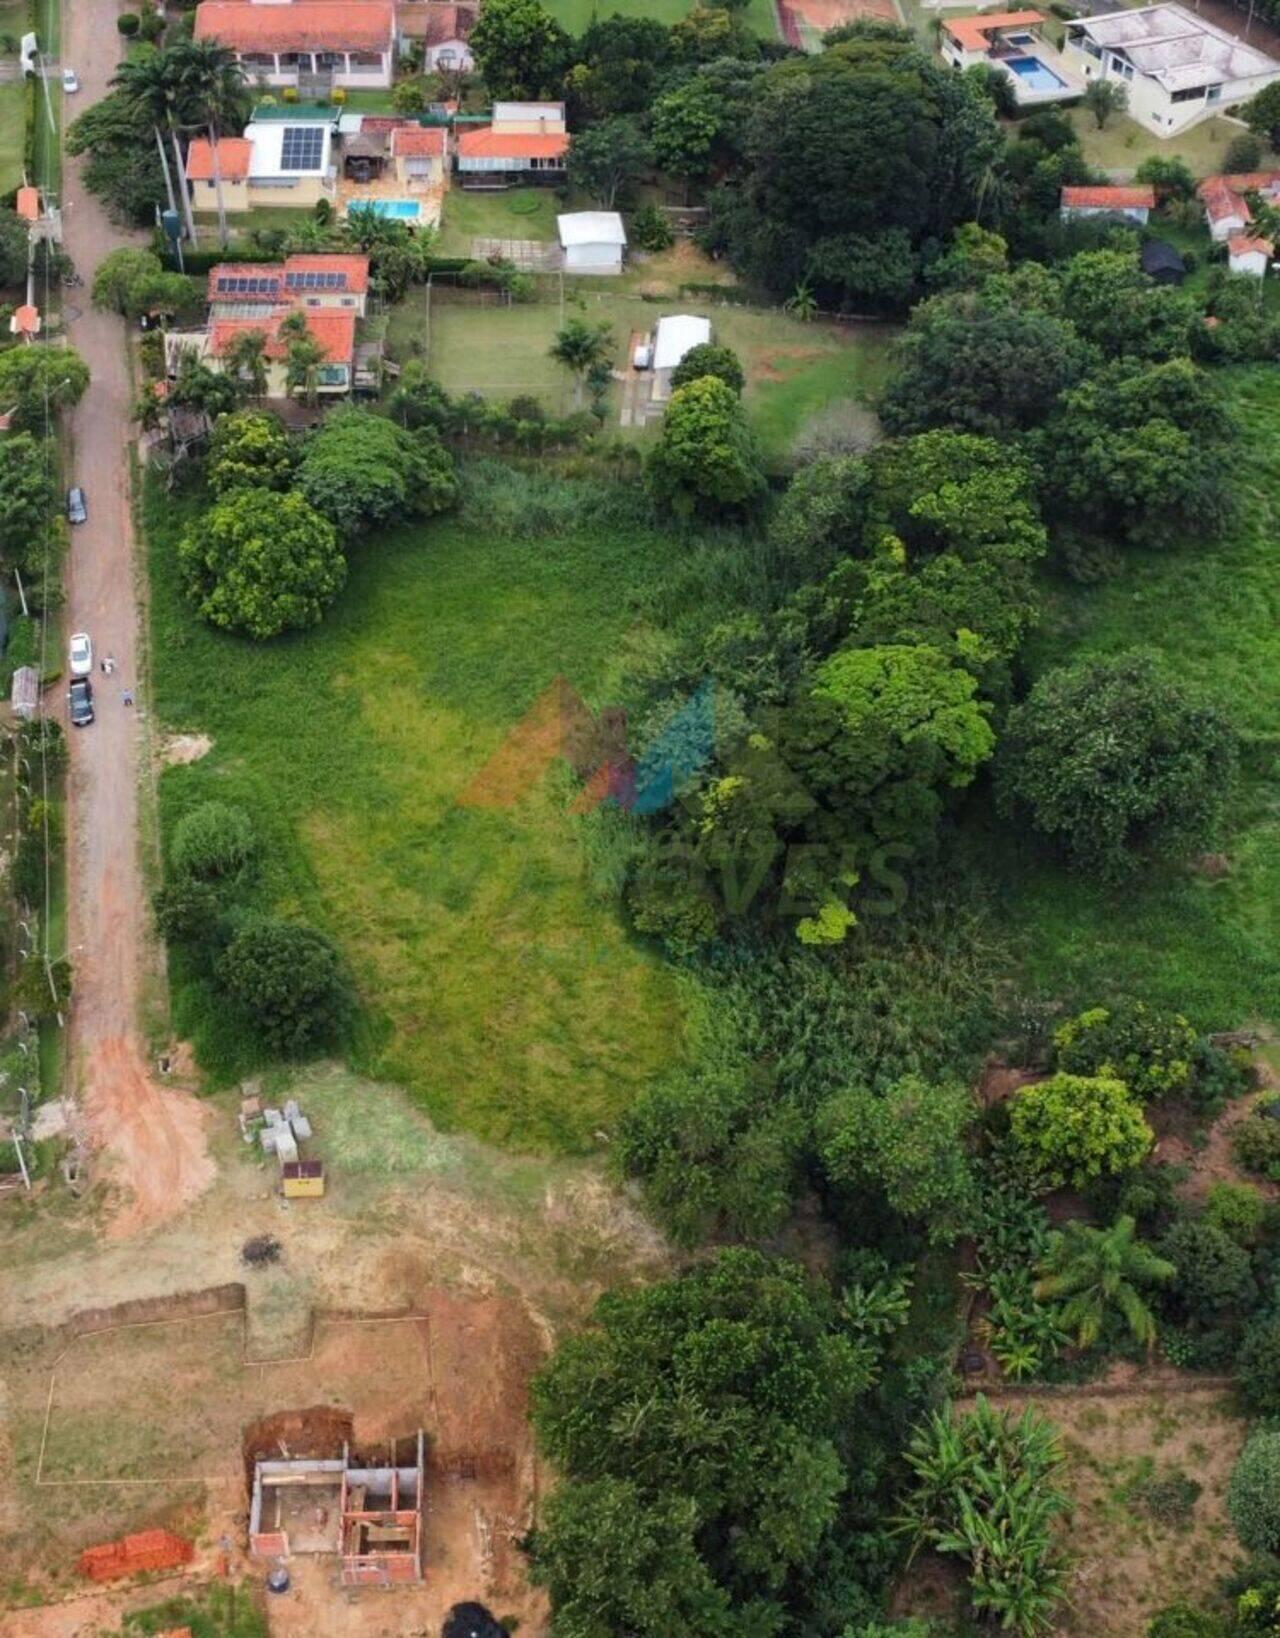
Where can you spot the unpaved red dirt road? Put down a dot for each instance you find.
(151, 1139)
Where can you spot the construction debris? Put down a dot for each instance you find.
(131, 1555)
(261, 1250)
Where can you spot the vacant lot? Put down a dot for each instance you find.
(1207, 944)
(499, 986)
(799, 376)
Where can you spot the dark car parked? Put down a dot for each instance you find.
(77, 511)
(80, 698)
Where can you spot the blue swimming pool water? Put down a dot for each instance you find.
(403, 209)
(1034, 75)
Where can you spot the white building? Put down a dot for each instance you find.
(315, 45)
(672, 338)
(1011, 42)
(1247, 254)
(593, 241)
(1177, 68)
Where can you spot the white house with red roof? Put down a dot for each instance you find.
(313, 44)
(285, 158)
(1011, 42)
(523, 139)
(442, 31)
(1227, 209)
(1125, 204)
(1249, 253)
(330, 292)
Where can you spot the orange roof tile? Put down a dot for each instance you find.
(418, 141)
(1110, 198)
(486, 143)
(234, 154)
(973, 33)
(336, 333)
(354, 269)
(302, 25)
(25, 321)
(27, 204)
(1247, 244)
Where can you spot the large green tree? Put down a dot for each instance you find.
(290, 980)
(1115, 305)
(520, 49)
(1118, 764)
(37, 383)
(711, 1415)
(362, 471)
(606, 160)
(27, 492)
(134, 282)
(706, 459)
(249, 450)
(262, 563)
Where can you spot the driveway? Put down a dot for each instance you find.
(150, 1138)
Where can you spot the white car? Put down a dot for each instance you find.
(70, 83)
(81, 655)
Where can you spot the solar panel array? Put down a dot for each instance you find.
(316, 281)
(301, 147)
(249, 285)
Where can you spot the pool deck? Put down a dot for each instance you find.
(430, 201)
(1030, 97)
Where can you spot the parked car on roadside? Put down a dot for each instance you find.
(80, 651)
(80, 699)
(77, 511)
(70, 84)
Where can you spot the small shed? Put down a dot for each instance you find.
(25, 695)
(1247, 254)
(302, 1179)
(593, 241)
(1162, 263)
(672, 338)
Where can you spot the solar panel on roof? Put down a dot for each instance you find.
(301, 147)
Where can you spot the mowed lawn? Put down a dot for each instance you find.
(577, 15)
(518, 213)
(1209, 946)
(798, 374)
(12, 128)
(498, 985)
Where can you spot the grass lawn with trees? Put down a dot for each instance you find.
(796, 373)
(1206, 944)
(519, 213)
(497, 983)
(578, 15)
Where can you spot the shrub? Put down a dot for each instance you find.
(1253, 1496)
(128, 23)
(650, 229)
(1256, 1141)
(1150, 1051)
(152, 26)
(1169, 1497)
(1181, 1621)
(291, 980)
(409, 96)
(187, 911)
(1237, 1209)
(1071, 1128)
(212, 842)
(1258, 1366)
(1214, 1282)
(1244, 153)
(709, 359)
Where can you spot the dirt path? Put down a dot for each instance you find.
(152, 1139)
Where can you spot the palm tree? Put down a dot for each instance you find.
(1092, 1272)
(149, 83)
(580, 346)
(211, 91)
(303, 357)
(245, 358)
(802, 304)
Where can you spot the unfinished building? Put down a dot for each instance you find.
(368, 1516)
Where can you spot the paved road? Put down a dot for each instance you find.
(152, 1139)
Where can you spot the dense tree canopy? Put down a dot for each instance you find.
(520, 49)
(706, 460)
(1072, 1128)
(36, 383)
(290, 980)
(1118, 764)
(262, 563)
(362, 471)
(249, 450)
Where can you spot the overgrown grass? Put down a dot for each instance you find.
(499, 985)
(1210, 946)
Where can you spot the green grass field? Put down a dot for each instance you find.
(12, 126)
(1123, 144)
(797, 374)
(577, 15)
(519, 213)
(499, 986)
(1211, 947)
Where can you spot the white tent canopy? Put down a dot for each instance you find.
(677, 335)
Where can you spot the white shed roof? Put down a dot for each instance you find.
(591, 227)
(675, 336)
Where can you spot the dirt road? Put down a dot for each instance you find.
(151, 1139)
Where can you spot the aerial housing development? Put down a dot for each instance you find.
(638, 980)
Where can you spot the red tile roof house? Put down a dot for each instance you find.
(1246, 253)
(1011, 42)
(316, 44)
(1225, 206)
(329, 291)
(1132, 204)
(442, 31)
(525, 140)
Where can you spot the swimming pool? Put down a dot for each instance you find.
(1034, 75)
(404, 210)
